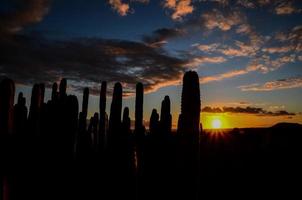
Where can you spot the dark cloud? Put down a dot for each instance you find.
(160, 36)
(86, 61)
(247, 110)
(25, 12)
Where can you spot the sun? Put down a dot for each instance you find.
(216, 123)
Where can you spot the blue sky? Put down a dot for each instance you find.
(244, 51)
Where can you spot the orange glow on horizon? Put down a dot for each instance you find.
(236, 120)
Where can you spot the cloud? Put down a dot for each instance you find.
(207, 47)
(87, 61)
(222, 76)
(197, 61)
(230, 74)
(292, 39)
(29, 12)
(246, 110)
(160, 36)
(223, 21)
(251, 4)
(287, 83)
(242, 49)
(286, 8)
(244, 28)
(121, 8)
(281, 49)
(180, 8)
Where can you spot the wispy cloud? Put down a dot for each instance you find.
(246, 110)
(223, 21)
(160, 36)
(197, 61)
(286, 8)
(230, 74)
(274, 85)
(280, 49)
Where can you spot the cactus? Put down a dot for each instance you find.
(154, 123)
(62, 90)
(190, 105)
(126, 121)
(165, 116)
(20, 115)
(102, 113)
(70, 123)
(42, 88)
(94, 132)
(34, 111)
(83, 114)
(115, 111)
(54, 93)
(7, 93)
(188, 133)
(139, 100)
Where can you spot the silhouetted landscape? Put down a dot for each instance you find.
(52, 151)
(150, 99)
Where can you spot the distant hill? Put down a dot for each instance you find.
(287, 125)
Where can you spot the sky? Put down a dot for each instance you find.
(248, 54)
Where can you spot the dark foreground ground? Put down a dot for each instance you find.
(254, 162)
(238, 163)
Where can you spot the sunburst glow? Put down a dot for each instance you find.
(216, 123)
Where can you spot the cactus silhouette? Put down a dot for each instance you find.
(126, 121)
(84, 142)
(62, 89)
(102, 113)
(190, 105)
(115, 112)
(83, 114)
(154, 122)
(165, 116)
(20, 115)
(7, 93)
(35, 110)
(139, 100)
(188, 134)
(94, 131)
(42, 88)
(54, 93)
(70, 129)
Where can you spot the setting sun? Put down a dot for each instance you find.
(216, 123)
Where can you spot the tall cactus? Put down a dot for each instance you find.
(102, 113)
(42, 88)
(94, 132)
(139, 100)
(54, 93)
(7, 93)
(165, 116)
(126, 120)
(83, 114)
(62, 89)
(20, 115)
(188, 133)
(35, 109)
(115, 110)
(190, 105)
(71, 123)
(154, 122)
